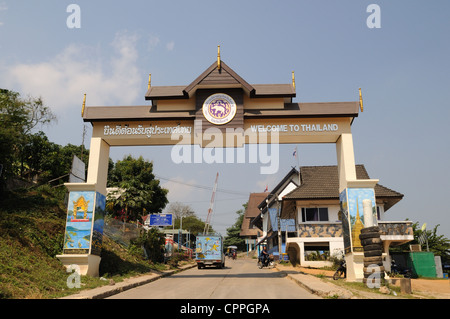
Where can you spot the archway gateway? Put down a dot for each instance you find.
(218, 109)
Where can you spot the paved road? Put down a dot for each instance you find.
(240, 279)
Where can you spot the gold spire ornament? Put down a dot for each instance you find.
(360, 101)
(356, 230)
(293, 79)
(218, 57)
(84, 105)
(149, 81)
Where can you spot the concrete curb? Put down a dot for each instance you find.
(316, 286)
(107, 291)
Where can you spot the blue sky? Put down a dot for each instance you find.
(403, 69)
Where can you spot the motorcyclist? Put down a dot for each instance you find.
(264, 255)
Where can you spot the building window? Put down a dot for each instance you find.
(315, 214)
(317, 251)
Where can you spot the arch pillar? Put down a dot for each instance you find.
(345, 160)
(351, 192)
(85, 214)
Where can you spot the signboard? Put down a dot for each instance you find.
(161, 220)
(187, 132)
(78, 172)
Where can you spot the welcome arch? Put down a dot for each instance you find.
(218, 109)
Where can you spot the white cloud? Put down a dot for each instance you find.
(3, 7)
(153, 42)
(170, 46)
(64, 79)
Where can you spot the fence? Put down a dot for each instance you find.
(121, 232)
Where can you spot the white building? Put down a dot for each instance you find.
(310, 198)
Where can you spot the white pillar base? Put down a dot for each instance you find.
(89, 264)
(355, 266)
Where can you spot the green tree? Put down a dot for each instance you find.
(233, 237)
(18, 118)
(58, 162)
(191, 223)
(138, 190)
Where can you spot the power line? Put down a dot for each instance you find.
(221, 190)
(217, 200)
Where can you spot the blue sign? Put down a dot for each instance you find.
(161, 220)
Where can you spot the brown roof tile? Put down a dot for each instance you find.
(251, 212)
(320, 182)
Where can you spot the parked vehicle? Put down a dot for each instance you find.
(398, 270)
(209, 251)
(231, 252)
(341, 271)
(268, 262)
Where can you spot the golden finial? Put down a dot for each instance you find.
(84, 105)
(293, 79)
(149, 80)
(218, 57)
(360, 101)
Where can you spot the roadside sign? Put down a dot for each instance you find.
(77, 172)
(161, 220)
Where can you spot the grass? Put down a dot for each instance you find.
(360, 286)
(32, 228)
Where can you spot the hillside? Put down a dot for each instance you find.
(32, 234)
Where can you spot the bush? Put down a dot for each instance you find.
(176, 258)
(150, 244)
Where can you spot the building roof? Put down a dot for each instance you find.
(322, 182)
(277, 189)
(223, 77)
(251, 212)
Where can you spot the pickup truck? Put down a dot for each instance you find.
(209, 251)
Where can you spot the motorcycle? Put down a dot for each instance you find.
(398, 270)
(267, 262)
(342, 270)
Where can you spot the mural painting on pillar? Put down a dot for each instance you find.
(84, 223)
(351, 201)
(99, 221)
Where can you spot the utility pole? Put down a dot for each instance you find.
(82, 141)
(280, 241)
(210, 210)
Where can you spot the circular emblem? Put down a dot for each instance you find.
(219, 109)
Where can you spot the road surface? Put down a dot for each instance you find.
(240, 279)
